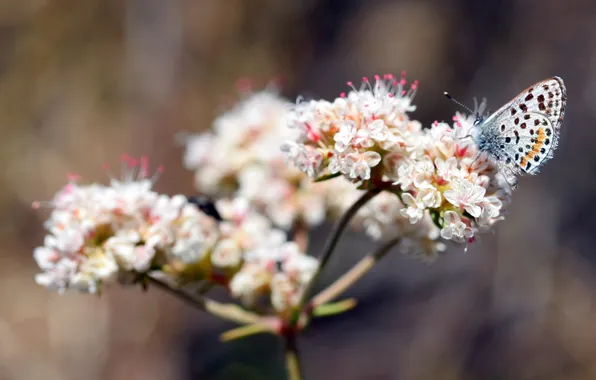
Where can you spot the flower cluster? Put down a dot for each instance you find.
(270, 264)
(241, 157)
(351, 134)
(438, 175)
(98, 233)
(385, 217)
(447, 177)
(101, 234)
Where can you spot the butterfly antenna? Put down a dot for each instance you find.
(458, 102)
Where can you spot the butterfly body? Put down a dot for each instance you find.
(523, 134)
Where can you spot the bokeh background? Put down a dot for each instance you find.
(83, 81)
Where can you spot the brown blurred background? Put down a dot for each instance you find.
(83, 81)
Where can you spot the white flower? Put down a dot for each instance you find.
(386, 98)
(234, 210)
(297, 265)
(276, 266)
(414, 209)
(363, 138)
(226, 254)
(491, 206)
(359, 164)
(446, 160)
(68, 240)
(429, 197)
(250, 282)
(46, 257)
(306, 158)
(253, 180)
(130, 253)
(436, 168)
(447, 169)
(244, 153)
(97, 232)
(352, 131)
(478, 164)
(378, 130)
(302, 118)
(466, 195)
(294, 273)
(292, 150)
(86, 277)
(424, 169)
(415, 174)
(343, 138)
(491, 212)
(284, 293)
(336, 164)
(101, 267)
(194, 236)
(405, 176)
(59, 276)
(198, 149)
(464, 125)
(426, 198)
(454, 228)
(382, 219)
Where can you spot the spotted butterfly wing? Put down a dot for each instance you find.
(526, 129)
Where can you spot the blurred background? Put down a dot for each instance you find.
(83, 81)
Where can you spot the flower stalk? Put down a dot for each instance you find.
(334, 308)
(248, 330)
(349, 278)
(334, 237)
(229, 312)
(293, 365)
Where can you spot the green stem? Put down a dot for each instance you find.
(247, 330)
(333, 238)
(292, 358)
(229, 312)
(353, 275)
(333, 308)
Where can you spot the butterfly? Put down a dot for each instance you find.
(522, 135)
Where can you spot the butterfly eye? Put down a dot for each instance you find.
(478, 120)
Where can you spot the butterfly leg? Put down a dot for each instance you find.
(509, 176)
